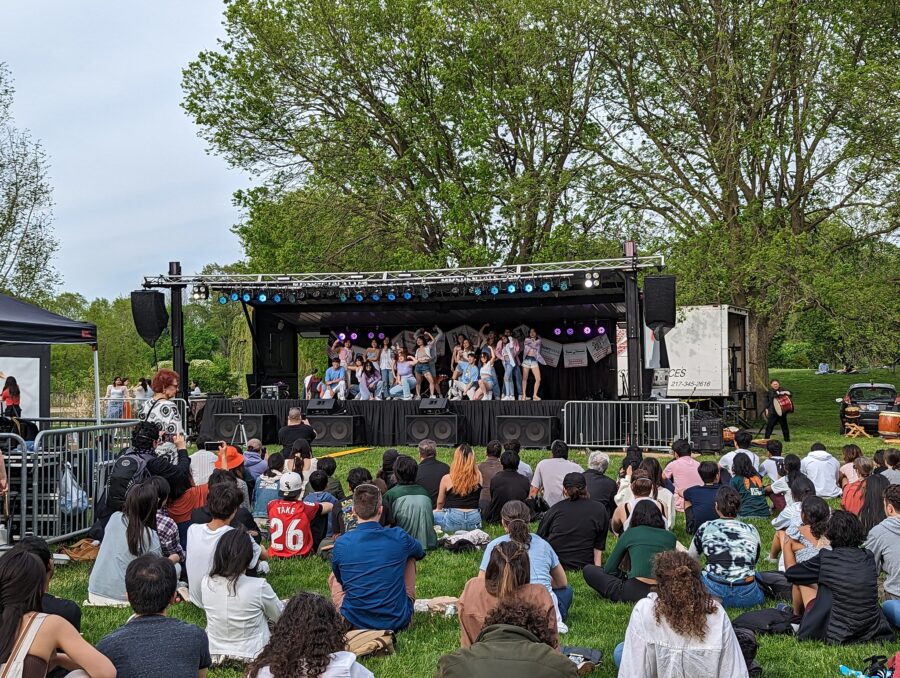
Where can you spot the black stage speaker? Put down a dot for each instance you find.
(530, 431)
(262, 426)
(706, 435)
(335, 430)
(659, 301)
(323, 406)
(432, 405)
(148, 309)
(442, 428)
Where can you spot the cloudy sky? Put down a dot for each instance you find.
(98, 82)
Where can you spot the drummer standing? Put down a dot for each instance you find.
(772, 417)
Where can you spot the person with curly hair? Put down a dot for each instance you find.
(679, 630)
(516, 640)
(307, 642)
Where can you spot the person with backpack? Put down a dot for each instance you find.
(748, 483)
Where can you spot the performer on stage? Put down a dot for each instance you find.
(531, 363)
(488, 377)
(335, 383)
(508, 350)
(465, 378)
(772, 415)
(423, 363)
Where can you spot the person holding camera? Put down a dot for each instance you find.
(297, 428)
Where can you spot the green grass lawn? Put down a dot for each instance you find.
(592, 622)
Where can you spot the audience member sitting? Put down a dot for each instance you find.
(166, 529)
(295, 527)
(646, 537)
(410, 504)
(576, 527)
(549, 473)
(700, 500)
(601, 487)
(308, 640)
(254, 460)
(658, 491)
(356, 477)
(845, 609)
(233, 461)
(872, 511)
(742, 442)
(238, 608)
(782, 486)
(297, 428)
(516, 446)
(789, 520)
(151, 643)
(508, 485)
(31, 640)
(129, 534)
(334, 487)
(431, 471)
(802, 543)
(317, 492)
(507, 576)
(640, 489)
(773, 461)
(386, 472)
(884, 543)
(515, 640)
(50, 604)
(892, 462)
(203, 461)
(545, 566)
(682, 471)
(267, 486)
(679, 631)
(745, 479)
(854, 491)
(878, 460)
(490, 467)
(848, 472)
(202, 539)
(373, 580)
(459, 494)
(821, 468)
(302, 461)
(732, 549)
(242, 517)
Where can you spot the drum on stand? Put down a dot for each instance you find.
(889, 424)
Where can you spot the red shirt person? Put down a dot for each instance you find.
(290, 519)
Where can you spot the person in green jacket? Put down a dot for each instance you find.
(515, 641)
(410, 504)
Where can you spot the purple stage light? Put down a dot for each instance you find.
(342, 336)
(570, 331)
(371, 335)
(601, 330)
(354, 336)
(557, 331)
(586, 330)
(381, 335)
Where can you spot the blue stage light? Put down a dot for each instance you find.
(359, 296)
(376, 296)
(511, 288)
(261, 297)
(407, 295)
(392, 296)
(223, 299)
(276, 298)
(546, 286)
(494, 290)
(342, 296)
(235, 296)
(245, 297)
(564, 285)
(528, 287)
(477, 290)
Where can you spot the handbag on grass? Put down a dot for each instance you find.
(364, 643)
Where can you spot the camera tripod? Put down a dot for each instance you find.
(239, 437)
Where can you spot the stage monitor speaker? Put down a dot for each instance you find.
(324, 406)
(442, 428)
(262, 426)
(707, 435)
(534, 432)
(659, 301)
(337, 430)
(432, 405)
(148, 309)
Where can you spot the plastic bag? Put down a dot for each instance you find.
(72, 499)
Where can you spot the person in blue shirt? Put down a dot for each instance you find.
(318, 480)
(465, 378)
(700, 500)
(373, 568)
(335, 382)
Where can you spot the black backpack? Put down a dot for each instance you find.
(767, 621)
(129, 469)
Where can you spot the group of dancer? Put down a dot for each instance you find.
(385, 371)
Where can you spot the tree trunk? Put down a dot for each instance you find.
(758, 341)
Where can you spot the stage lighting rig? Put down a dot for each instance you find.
(200, 293)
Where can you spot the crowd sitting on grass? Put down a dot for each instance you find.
(167, 537)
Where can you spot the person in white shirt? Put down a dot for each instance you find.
(681, 631)
(238, 608)
(549, 473)
(308, 640)
(769, 467)
(202, 539)
(203, 463)
(822, 468)
(742, 440)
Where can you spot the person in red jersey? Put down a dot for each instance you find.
(293, 524)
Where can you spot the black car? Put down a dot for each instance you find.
(871, 399)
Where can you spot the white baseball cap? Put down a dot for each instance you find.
(290, 484)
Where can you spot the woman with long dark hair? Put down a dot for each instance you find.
(792, 471)
(303, 462)
(805, 543)
(238, 608)
(457, 505)
(11, 397)
(130, 533)
(424, 348)
(307, 641)
(39, 636)
(116, 393)
(640, 489)
(854, 492)
(507, 576)
(679, 630)
(872, 510)
(748, 483)
(531, 363)
(848, 472)
(659, 492)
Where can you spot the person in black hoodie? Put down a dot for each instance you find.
(507, 485)
(845, 609)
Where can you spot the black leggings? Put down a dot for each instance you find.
(613, 588)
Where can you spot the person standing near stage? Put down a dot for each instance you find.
(12, 398)
(531, 363)
(423, 363)
(386, 366)
(160, 409)
(772, 417)
(508, 348)
(116, 393)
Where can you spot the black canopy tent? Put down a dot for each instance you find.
(28, 331)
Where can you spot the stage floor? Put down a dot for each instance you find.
(384, 422)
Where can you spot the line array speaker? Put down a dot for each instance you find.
(441, 428)
(335, 430)
(262, 426)
(534, 432)
(148, 309)
(659, 301)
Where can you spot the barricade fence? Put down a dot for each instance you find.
(651, 424)
(115, 409)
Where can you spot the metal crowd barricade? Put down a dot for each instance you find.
(13, 447)
(135, 405)
(651, 424)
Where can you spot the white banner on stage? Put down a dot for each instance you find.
(520, 333)
(27, 372)
(575, 354)
(599, 347)
(551, 350)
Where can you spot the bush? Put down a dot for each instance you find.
(214, 376)
(792, 355)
